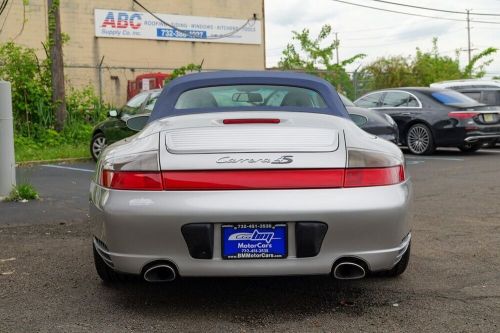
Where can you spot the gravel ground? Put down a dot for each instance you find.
(48, 282)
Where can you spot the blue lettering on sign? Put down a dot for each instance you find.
(174, 33)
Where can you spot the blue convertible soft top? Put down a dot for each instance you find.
(165, 105)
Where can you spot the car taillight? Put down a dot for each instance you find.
(374, 176)
(141, 172)
(462, 115)
(369, 168)
(132, 180)
(138, 172)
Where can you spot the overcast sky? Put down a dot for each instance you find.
(378, 33)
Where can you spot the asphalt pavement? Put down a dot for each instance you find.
(48, 282)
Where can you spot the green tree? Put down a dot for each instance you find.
(424, 68)
(314, 57)
(388, 72)
(429, 67)
(476, 67)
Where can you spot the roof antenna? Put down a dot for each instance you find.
(201, 65)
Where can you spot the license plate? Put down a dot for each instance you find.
(489, 117)
(254, 241)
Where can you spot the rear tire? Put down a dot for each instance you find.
(470, 147)
(106, 273)
(419, 140)
(401, 266)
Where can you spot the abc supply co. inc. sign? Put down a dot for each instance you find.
(141, 25)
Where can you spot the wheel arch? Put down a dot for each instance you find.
(98, 131)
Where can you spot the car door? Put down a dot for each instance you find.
(402, 106)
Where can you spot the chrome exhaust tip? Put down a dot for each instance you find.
(348, 271)
(160, 273)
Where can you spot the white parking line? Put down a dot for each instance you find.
(65, 167)
(434, 158)
(414, 162)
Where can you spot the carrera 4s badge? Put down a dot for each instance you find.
(285, 159)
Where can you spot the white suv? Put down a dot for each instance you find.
(467, 84)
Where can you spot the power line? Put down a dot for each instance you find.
(433, 9)
(253, 19)
(413, 14)
(6, 16)
(3, 5)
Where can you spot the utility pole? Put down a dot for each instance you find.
(56, 63)
(468, 35)
(337, 46)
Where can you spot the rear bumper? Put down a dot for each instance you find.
(456, 136)
(141, 227)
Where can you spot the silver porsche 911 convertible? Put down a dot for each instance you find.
(250, 174)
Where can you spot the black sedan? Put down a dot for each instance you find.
(378, 124)
(433, 117)
(115, 127)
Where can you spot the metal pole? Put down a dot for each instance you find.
(7, 159)
(468, 35)
(355, 83)
(100, 81)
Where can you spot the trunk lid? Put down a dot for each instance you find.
(204, 142)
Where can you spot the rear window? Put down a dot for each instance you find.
(234, 96)
(453, 98)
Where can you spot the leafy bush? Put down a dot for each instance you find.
(23, 192)
(33, 111)
(31, 94)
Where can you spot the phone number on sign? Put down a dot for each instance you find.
(172, 33)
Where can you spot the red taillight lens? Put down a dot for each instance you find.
(141, 172)
(132, 180)
(374, 176)
(251, 121)
(253, 179)
(462, 115)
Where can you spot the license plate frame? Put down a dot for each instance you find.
(241, 241)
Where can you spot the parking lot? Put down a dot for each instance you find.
(48, 282)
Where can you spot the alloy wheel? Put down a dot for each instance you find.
(418, 139)
(98, 145)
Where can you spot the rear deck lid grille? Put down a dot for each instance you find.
(252, 139)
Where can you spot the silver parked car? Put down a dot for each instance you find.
(249, 174)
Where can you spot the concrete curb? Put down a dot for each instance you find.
(58, 160)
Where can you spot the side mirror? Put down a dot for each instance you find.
(137, 123)
(112, 113)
